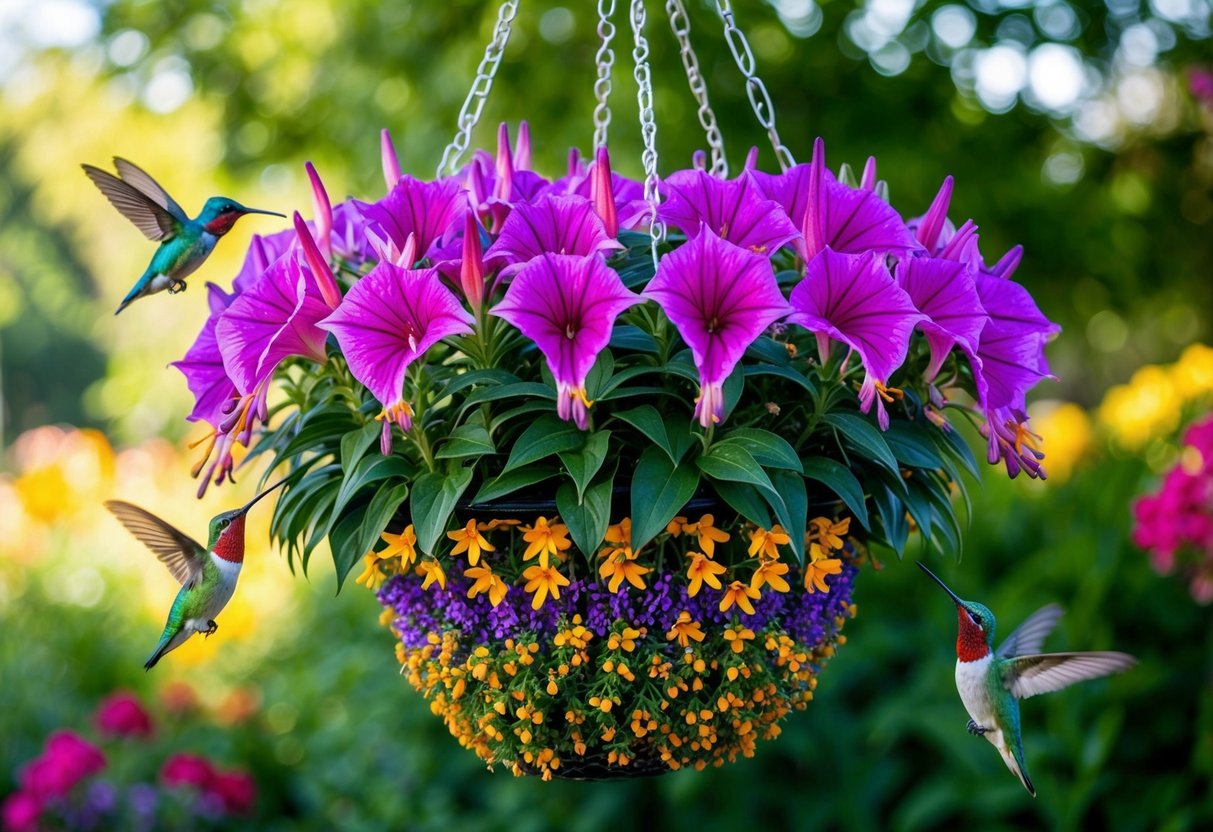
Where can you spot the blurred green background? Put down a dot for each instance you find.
(1069, 127)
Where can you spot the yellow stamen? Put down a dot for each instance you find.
(889, 393)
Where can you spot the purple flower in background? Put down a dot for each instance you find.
(734, 210)
(853, 299)
(720, 297)
(567, 305)
(202, 365)
(944, 291)
(389, 318)
(432, 211)
(274, 319)
(829, 213)
(555, 224)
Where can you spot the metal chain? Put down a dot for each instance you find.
(756, 91)
(681, 24)
(473, 105)
(605, 60)
(648, 122)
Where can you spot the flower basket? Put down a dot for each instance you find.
(612, 462)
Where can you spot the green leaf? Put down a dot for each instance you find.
(633, 338)
(768, 350)
(584, 463)
(732, 462)
(864, 437)
(356, 443)
(648, 421)
(343, 543)
(912, 445)
(509, 483)
(659, 489)
(370, 469)
(469, 440)
(433, 499)
(625, 376)
(599, 375)
(892, 513)
(375, 520)
(547, 435)
(769, 449)
(841, 481)
(746, 500)
(586, 516)
(955, 446)
(492, 376)
(731, 390)
(795, 518)
(510, 391)
(787, 373)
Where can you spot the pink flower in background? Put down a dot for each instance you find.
(236, 789)
(187, 770)
(20, 812)
(121, 714)
(67, 759)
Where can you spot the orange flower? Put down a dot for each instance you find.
(621, 535)
(737, 637)
(676, 526)
(739, 594)
(485, 581)
(541, 580)
(373, 576)
(619, 568)
(496, 524)
(401, 545)
(433, 572)
(684, 630)
(545, 540)
(703, 570)
(469, 540)
(828, 534)
(765, 543)
(708, 534)
(771, 572)
(817, 568)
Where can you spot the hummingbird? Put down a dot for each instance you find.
(991, 682)
(184, 243)
(207, 575)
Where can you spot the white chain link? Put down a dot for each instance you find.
(473, 105)
(681, 24)
(756, 91)
(648, 123)
(605, 59)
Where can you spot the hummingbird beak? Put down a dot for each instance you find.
(260, 211)
(935, 578)
(276, 485)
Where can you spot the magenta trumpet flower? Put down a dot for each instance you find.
(432, 211)
(553, 224)
(853, 299)
(388, 320)
(944, 291)
(720, 297)
(735, 210)
(389, 159)
(202, 365)
(567, 305)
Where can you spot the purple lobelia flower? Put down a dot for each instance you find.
(852, 298)
(386, 321)
(567, 305)
(944, 291)
(431, 211)
(720, 297)
(553, 224)
(829, 213)
(202, 365)
(735, 210)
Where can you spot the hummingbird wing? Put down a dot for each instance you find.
(150, 217)
(183, 555)
(142, 180)
(1026, 676)
(1030, 636)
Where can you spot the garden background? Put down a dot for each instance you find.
(1076, 129)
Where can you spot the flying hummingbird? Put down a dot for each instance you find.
(184, 243)
(991, 682)
(207, 575)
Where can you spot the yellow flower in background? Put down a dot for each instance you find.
(61, 471)
(469, 540)
(1069, 436)
(1149, 405)
(1193, 372)
(542, 580)
(433, 572)
(545, 540)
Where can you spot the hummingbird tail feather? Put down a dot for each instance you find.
(127, 301)
(167, 644)
(1014, 761)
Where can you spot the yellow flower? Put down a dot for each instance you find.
(545, 540)
(708, 534)
(676, 526)
(496, 524)
(401, 545)
(372, 576)
(485, 581)
(702, 570)
(619, 568)
(827, 533)
(1148, 406)
(684, 630)
(469, 540)
(541, 580)
(1070, 436)
(432, 570)
(739, 594)
(621, 535)
(765, 543)
(737, 637)
(771, 572)
(817, 568)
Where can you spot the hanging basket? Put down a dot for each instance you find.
(621, 678)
